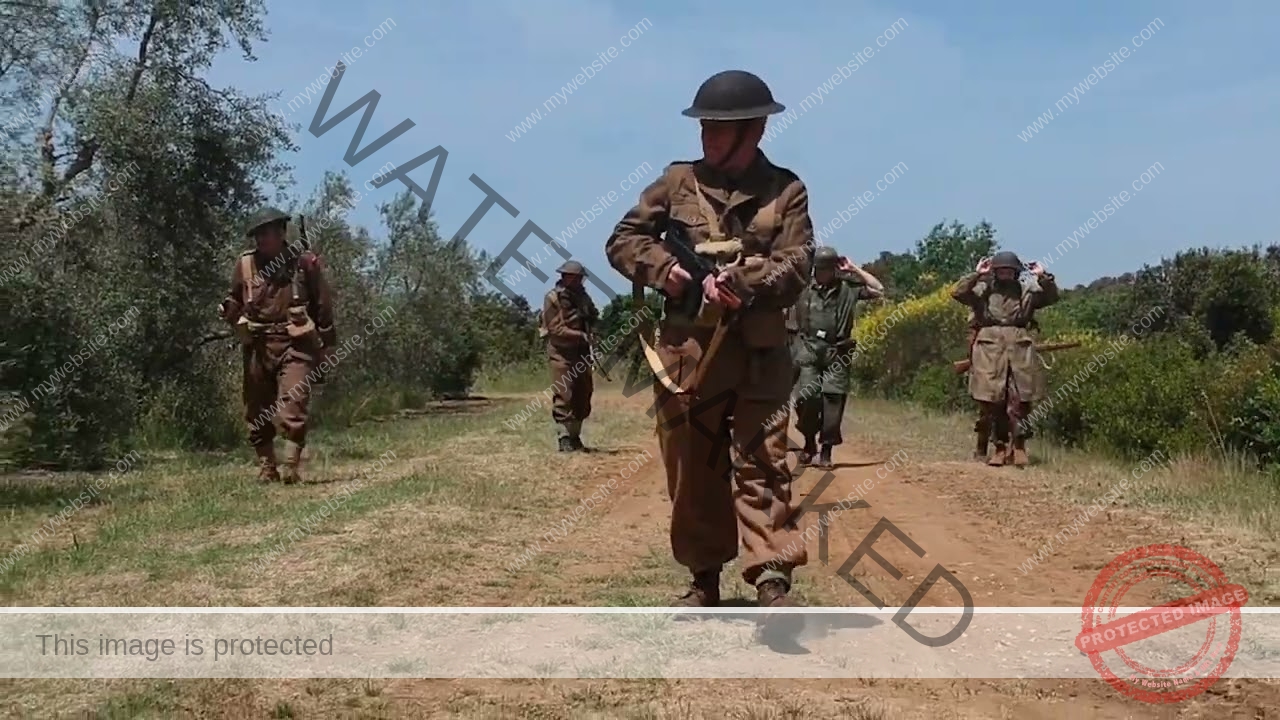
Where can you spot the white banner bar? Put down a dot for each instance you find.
(996, 643)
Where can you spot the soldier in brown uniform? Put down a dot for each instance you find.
(568, 319)
(280, 306)
(1006, 375)
(753, 216)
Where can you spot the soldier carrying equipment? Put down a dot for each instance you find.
(720, 351)
(279, 303)
(568, 320)
(962, 366)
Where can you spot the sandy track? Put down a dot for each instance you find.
(982, 524)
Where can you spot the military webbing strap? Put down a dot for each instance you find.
(245, 269)
(766, 219)
(708, 213)
(248, 275)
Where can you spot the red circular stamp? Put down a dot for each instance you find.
(1212, 608)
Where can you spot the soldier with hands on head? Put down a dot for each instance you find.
(568, 321)
(725, 372)
(823, 318)
(1007, 374)
(280, 306)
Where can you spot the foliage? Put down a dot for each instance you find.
(939, 258)
(130, 204)
(895, 340)
(1177, 358)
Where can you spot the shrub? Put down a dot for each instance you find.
(896, 339)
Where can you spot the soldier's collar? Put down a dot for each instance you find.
(734, 190)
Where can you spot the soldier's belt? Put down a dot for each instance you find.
(268, 328)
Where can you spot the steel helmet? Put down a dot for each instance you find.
(264, 217)
(571, 267)
(733, 95)
(1006, 259)
(826, 257)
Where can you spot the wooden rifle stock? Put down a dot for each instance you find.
(962, 366)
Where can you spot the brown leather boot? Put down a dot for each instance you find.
(1020, 452)
(773, 593)
(997, 455)
(780, 627)
(704, 590)
(267, 472)
(292, 461)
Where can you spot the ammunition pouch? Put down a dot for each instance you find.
(724, 253)
(301, 329)
(251, 330)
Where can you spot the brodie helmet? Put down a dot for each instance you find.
(571, 267)
(733, 95)
(265, 217)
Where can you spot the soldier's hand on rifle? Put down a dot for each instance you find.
(716, 289)
(676, 281)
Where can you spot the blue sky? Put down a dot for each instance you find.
(948, 97)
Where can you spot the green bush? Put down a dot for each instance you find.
(939, 387)
(1131, 401)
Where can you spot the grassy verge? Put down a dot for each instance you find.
(439, 525)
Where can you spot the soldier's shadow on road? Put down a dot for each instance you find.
(788, 638)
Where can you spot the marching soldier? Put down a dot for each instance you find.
(823, 318)
(280, 306)
(725, 372)
(568, 318)
(1006, 375)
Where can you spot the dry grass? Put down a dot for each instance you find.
(439, 526)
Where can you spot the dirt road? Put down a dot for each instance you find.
(982, 524)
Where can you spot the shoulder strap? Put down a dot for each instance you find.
(246, 272)
(708, 213)
(299, 283)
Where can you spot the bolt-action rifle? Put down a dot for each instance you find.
(962, 366)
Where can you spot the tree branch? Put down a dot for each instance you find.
(46, 135)
(84, 157)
